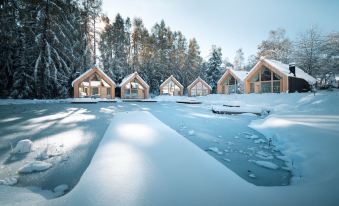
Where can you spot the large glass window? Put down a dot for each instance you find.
(276, 86)
(171, 88)
(269, 81)
(276, 77)
(255, 78)
(266, 75)
(232, 89)
(199, 90)
(266, 87)
(95, 90)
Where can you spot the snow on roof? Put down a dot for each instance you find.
(284, 68)
(90, 70)
(130, 77)
(173, 79)
(196, 80)
(240, 74)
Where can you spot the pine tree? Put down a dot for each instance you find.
(194, 62)
(213, 67)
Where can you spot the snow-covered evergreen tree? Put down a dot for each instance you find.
(213, 67)
(194, 63)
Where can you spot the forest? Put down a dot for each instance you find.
(46, 44)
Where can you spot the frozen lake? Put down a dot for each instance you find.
(226, 137)
(74, 131)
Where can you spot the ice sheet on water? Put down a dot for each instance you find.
(35, 166)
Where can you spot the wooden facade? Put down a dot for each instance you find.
(231, 82)
(198, 88)
(265, 78)
(270, 76)
(134, 87)
(171, 87)
(94, 83)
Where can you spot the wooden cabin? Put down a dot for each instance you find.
(94, 83)
(172, 87)
(231, 82)
(134, 87)
(271, 76)
(198, 88)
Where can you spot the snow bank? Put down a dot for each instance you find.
(23, 146)
(35, 166)
(9, 181)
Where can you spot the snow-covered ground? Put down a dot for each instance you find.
(142, 161)
(64, 138)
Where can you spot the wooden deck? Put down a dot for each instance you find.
(233, 112)
(189, 102)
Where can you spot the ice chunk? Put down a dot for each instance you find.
(226, 159)
(35, 166)
(60, 189)
(9, 181)
(264, 155)
(258, 141)
(216, 150)
(23, 146)
(252, 175)
(43, 155)
(252, 136)
(266, 164)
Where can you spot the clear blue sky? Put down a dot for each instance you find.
(231, 24)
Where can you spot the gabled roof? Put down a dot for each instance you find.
(174, 80)
(196, 81)
(240, 75)
(92, 71)
(130, 77)
(284, 69)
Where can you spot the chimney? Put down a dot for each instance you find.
(292, 68)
